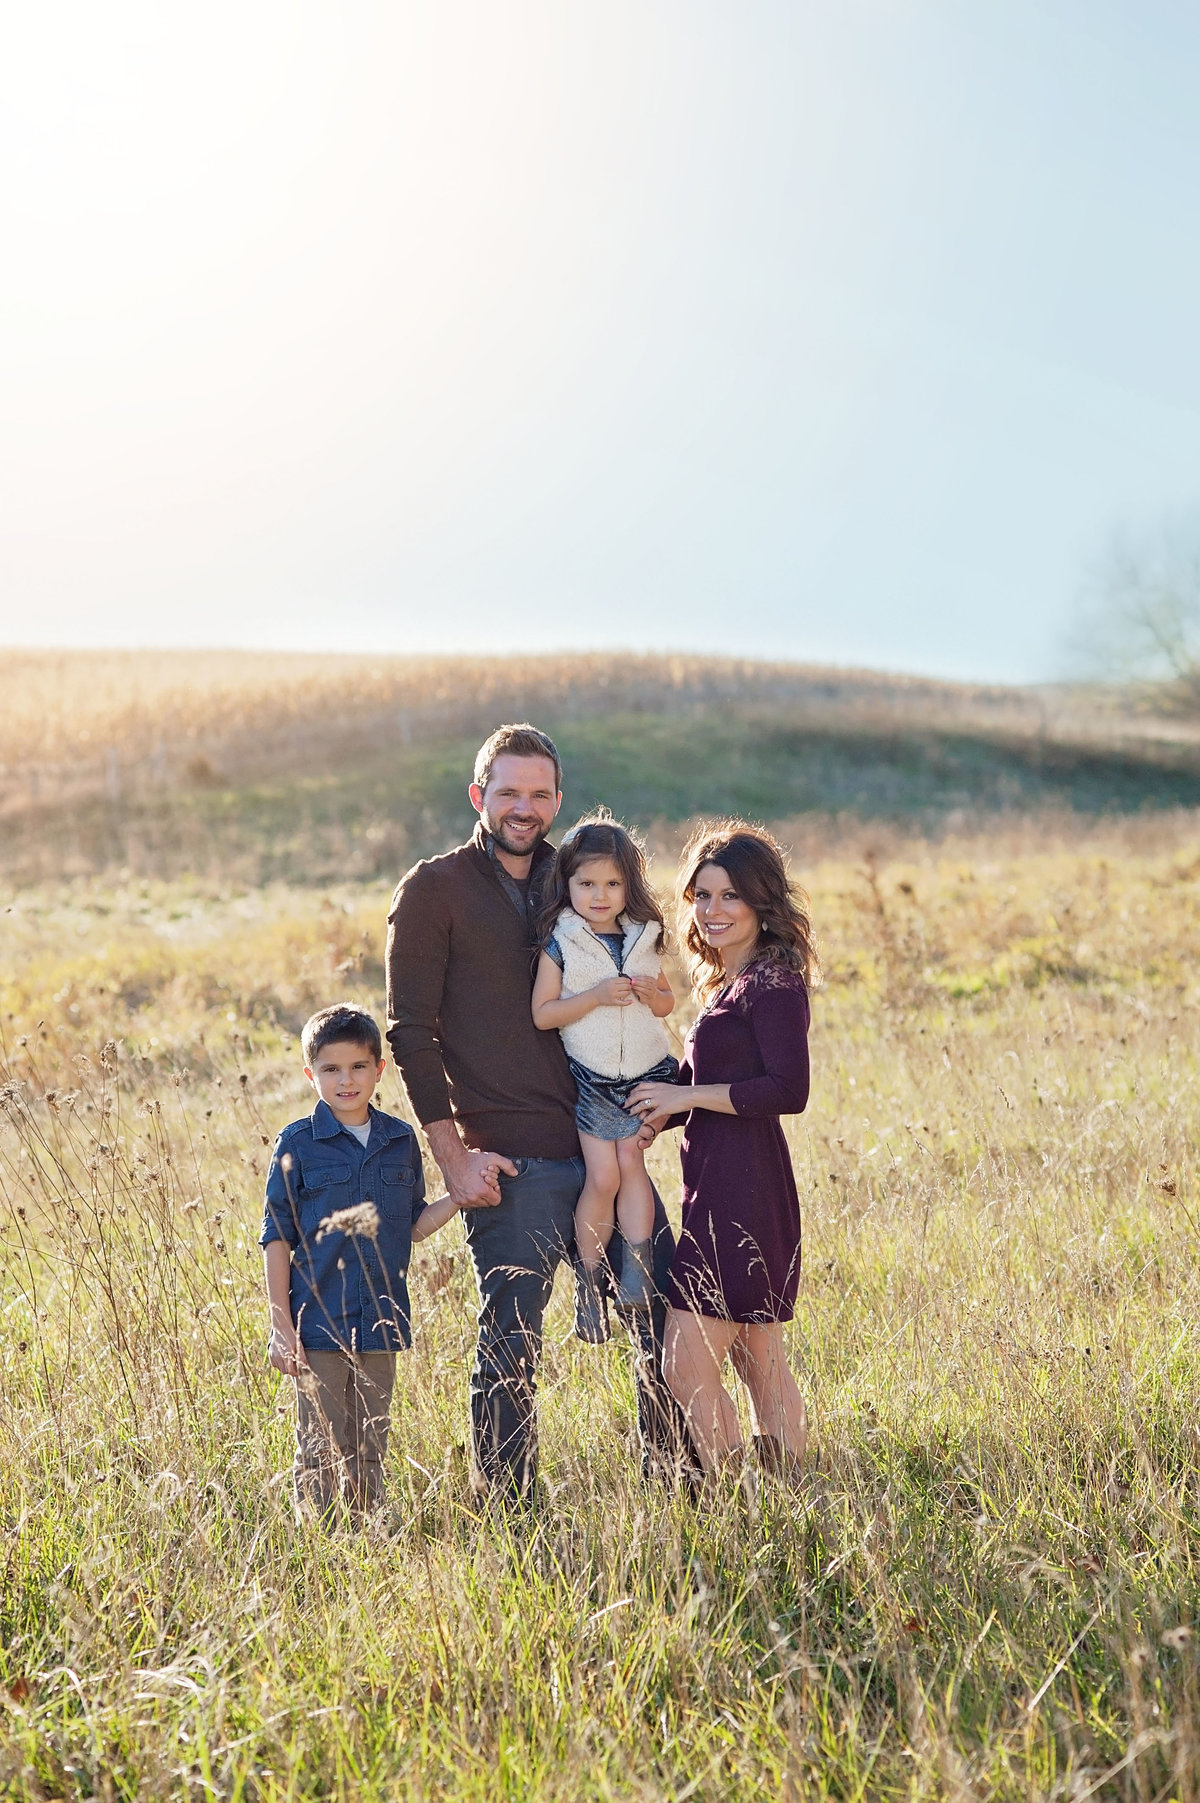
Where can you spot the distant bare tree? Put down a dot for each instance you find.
(1139, 616)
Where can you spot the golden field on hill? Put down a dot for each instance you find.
(257, 770)
(112, 723)
(991, 1590)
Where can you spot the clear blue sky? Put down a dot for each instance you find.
(844, 331)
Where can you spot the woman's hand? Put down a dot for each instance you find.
(655, 1103)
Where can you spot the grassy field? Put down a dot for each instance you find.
(306, 770)
(993, 1594)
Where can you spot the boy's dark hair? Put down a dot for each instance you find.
(598, 835)
(342, 1021)
(521, 741)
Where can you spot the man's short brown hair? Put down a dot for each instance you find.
(342, 1022)
(523, 741)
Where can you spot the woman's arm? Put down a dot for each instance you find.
(658, 1103)
(779, 1022)
(551, 1008)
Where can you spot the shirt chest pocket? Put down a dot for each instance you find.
(326, 1189)
(395, 1188)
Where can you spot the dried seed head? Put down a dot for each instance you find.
(362, 1219)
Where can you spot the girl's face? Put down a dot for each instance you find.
(597, 891)
(724, 920)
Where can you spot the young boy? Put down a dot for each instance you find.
(345, 1201)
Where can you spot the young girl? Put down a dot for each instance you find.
(600, 983)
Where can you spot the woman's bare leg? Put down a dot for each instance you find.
(595, 1211)
(777, 1407)
(694, 1350)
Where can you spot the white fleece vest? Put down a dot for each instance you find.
(613, 1042)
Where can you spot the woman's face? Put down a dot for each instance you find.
(723, 919)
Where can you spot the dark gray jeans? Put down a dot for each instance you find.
(516, 1248)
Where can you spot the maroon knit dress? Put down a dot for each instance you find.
(739, 1244)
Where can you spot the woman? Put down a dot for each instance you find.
(733, 1282)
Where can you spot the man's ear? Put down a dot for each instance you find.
(476, 794)
(557, 802)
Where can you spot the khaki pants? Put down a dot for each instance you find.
(343, 1402)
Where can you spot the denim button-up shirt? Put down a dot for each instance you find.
(349, 1291)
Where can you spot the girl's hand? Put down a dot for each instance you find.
(614, 992)
(645, 988)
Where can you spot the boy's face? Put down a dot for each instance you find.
(344, 1075)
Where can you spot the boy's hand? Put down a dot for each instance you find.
(645, 988)
(614, 992)
(285, 1352)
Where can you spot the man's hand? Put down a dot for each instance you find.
(614, 992)
(473, 1181)
(472, 1178)
(285, 1351)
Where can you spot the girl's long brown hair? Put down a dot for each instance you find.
(598, 835)
(756, 867)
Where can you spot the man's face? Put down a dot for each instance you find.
(519, 804)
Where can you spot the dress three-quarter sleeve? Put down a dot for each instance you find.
(778, 1016)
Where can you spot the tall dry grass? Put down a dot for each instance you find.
(304, 770)
(994, 1595)
(111, 723)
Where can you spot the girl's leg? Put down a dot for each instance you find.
(694, 1349)
(635, 1197)
(635, 1215)
(777, 1407)
(594, 1216)
(595, 1211)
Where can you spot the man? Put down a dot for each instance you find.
(497, 1102)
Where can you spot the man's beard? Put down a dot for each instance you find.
(514, 851)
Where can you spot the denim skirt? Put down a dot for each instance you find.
(600, 1107)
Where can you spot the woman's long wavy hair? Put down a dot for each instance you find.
(598, 835)
(756, 867)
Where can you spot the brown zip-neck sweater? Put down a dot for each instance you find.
(460, 980)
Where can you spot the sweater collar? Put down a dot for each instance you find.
(541, 868)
